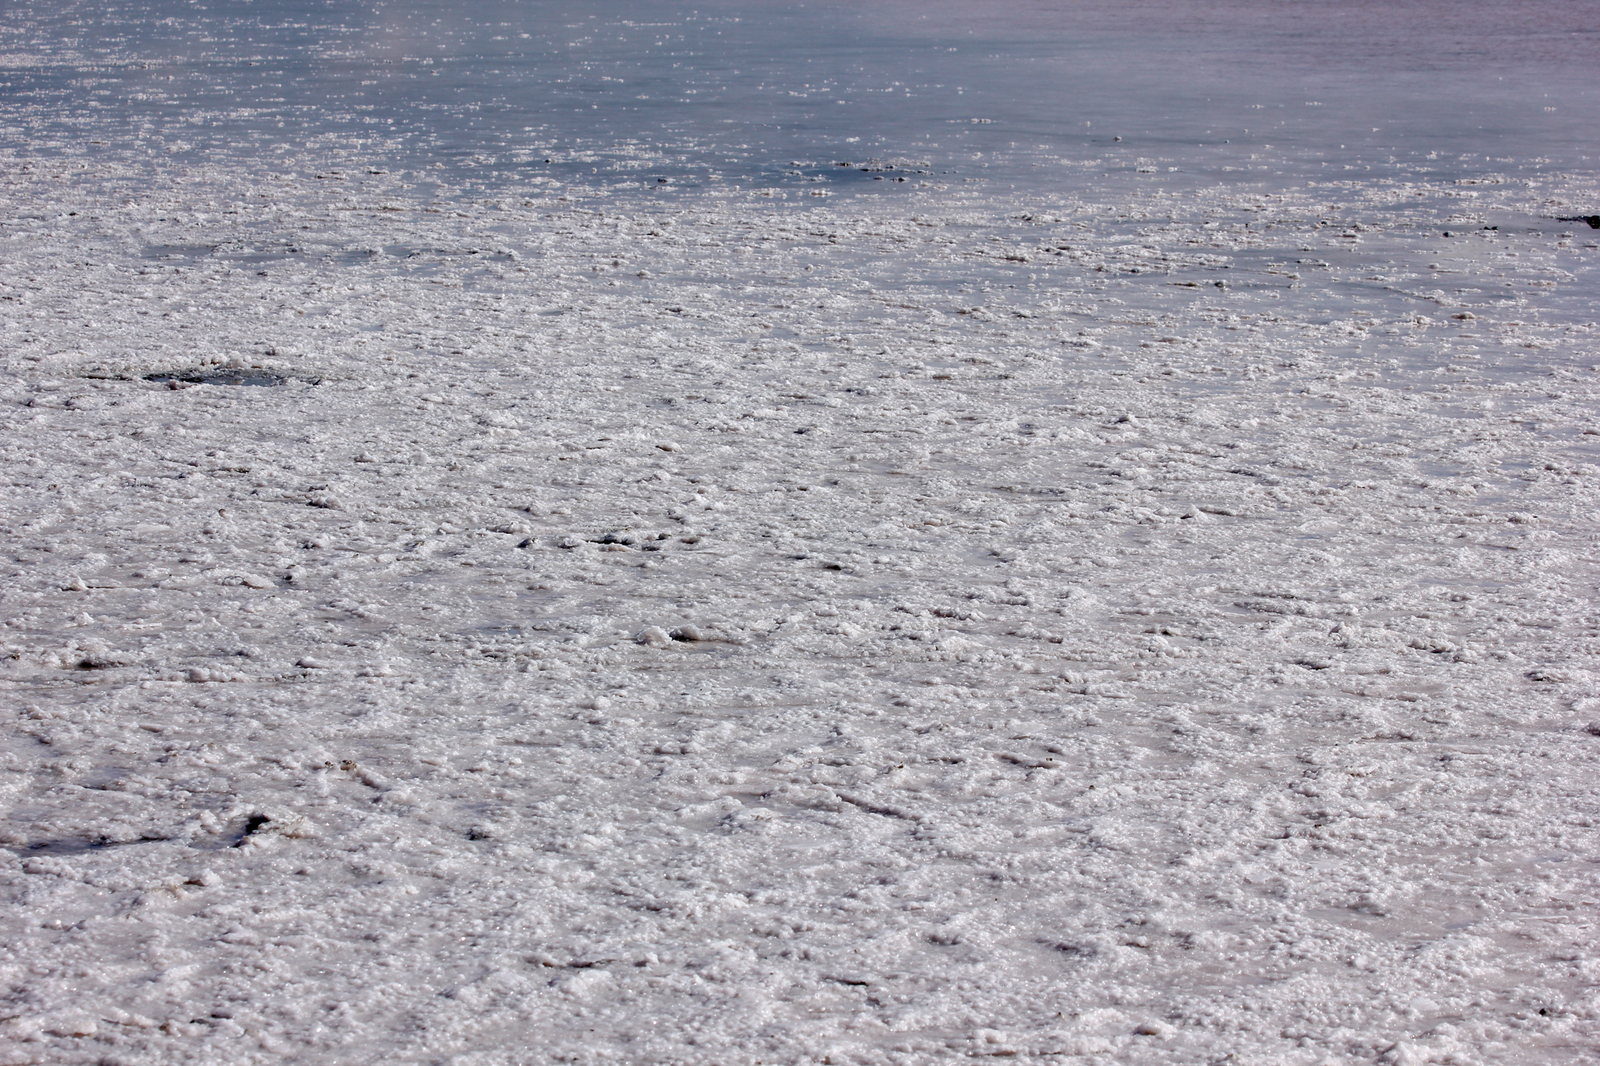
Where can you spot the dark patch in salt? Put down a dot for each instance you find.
(76, 845)
(254, 823)
(226, 375)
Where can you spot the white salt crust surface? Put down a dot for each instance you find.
(1096, 663)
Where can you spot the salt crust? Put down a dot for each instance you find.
(795, 635)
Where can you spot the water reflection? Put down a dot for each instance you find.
(679, 95)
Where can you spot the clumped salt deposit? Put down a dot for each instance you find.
(1147, 620)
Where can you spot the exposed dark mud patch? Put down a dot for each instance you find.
(227, 375)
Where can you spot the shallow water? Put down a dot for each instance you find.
(780, 95)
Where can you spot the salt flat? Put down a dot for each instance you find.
(1143, 616)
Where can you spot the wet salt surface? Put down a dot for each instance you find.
(218, 376)
(1144, 616)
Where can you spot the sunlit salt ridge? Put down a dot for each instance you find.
(1107, 601)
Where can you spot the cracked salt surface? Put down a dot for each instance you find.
(1057, 608)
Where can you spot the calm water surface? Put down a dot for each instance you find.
(780, 94)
